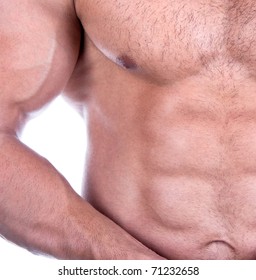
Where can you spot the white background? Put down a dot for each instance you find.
(58, 134)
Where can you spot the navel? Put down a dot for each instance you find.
(219, 249)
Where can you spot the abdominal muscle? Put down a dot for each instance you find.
(177, 171)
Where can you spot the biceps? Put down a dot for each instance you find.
(25, 50)
(38, 52)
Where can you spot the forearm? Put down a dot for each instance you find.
(38, 208)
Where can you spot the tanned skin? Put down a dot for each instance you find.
(169, 90)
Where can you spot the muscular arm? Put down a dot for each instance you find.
(37, 58)
(39, 45)
(36, 202)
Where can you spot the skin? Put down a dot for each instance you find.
(169, 93)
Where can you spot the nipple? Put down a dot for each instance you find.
(126, 62)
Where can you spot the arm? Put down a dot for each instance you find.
(39, 45)
(36, 202)
(36, 60)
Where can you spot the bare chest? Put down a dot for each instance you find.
(203, 56)
(171, 39)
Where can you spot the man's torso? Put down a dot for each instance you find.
(169, 88)
(169, 91)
